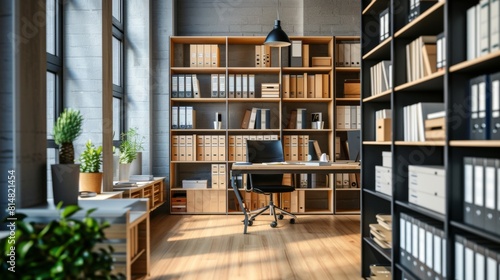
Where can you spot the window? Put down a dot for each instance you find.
(118, 71)
(54, 79)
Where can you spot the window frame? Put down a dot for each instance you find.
(118, 32)
(55, 66)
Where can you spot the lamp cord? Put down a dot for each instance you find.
(278, 9)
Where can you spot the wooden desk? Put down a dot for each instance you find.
(153, 190)
(292, 168)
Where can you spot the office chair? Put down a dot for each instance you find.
(267, 184)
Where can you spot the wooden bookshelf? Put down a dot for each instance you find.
(237, 57)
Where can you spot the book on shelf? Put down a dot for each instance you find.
(381, 77)
(414, 117)
(255, 113)
(246, 119)
(292, 120)
(189, 86)
(440, 51)
(419, 53)
(301, 118)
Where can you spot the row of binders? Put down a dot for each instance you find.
(296, 147)
(297, 119)
(183, 117)
(306, 86)
(414, 117)
(262, 56)
(219, 176)
(238, 143)
(417, 7)
(481, 190)
(421, 57)
(347, 180)
(381, 77)
(349, 117)
(198, 147)
(348, 54)
(485, 107)
(422, 247)
(203, 55)
(384, 25)
(185, 86)
(476, 258)
(257, 118)
(483, 28)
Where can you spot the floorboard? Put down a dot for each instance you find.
(214, 247)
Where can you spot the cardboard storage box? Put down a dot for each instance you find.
(352, 88)
(383, 130)
(321, 61)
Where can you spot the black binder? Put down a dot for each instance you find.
(494, 108)
(468, 188)
(479, 95)
(490, 197)
(478, 186)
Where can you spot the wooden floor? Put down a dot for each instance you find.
(214, 247)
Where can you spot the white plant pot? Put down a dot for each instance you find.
(136, 165)
(124, 172)
(116, 168)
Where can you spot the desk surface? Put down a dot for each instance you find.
(295, 168)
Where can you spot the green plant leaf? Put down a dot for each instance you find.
(70, 210)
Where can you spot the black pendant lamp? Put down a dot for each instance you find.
(277, 37)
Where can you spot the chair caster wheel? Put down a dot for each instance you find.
(280, 217)
(274, 224)
(250, 222)
(292, 221)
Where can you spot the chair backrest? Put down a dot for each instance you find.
(259, 151)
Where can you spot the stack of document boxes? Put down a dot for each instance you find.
(380, 272)
(382, 231)
(383, 175)
(426, 187)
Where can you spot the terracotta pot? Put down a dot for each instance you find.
(91, 182)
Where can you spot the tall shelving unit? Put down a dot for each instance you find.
(450, 86)
(347, 199)
(237, 56)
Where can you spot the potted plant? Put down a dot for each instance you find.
(90, 166)
(65, 175)
(130, 148)
(65, 248)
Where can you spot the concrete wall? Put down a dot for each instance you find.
(163, 27)
(256, 17)
(22, 104)
(139, 101)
